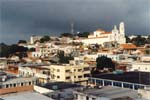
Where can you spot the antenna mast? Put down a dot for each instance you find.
(72, 27)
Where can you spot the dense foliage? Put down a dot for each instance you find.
(22, 41)
(45, 39)
(6, 50)
(104, 62)
(64, 59)
(66, 35)
(139, 40)
(84, 34)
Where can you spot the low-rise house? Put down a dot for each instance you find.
(140, 66)
(12, 84)
(128, 47)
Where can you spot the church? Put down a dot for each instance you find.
(100, 36)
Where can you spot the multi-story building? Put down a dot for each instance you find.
(70, 73)
(35, 70)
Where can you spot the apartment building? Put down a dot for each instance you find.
(35, 70)
(70, 73)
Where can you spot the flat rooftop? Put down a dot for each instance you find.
(25, 96)
(60, 85)
(110, 92)
(132, 77)
(7, 76)
(19, 79)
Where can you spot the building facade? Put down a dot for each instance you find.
(100, 36)
(70, 73)
(140, 66)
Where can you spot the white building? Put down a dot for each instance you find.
(3, 63)
(114, 57)
(34, 38)
(35, 70)
(100, 36)
(45, 50)
(140, 66)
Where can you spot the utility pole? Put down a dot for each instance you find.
(72, 27)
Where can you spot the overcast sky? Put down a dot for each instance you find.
(21, 18)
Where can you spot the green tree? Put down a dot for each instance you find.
(127, 39)
(104, 62)
(84, 34)
(6, 50)
(22, 41)
(148, 40)
(44, 39)
(31, 49)
(66, 35)
(64, 59)
(138, 41)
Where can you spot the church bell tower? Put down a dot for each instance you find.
(121, 28)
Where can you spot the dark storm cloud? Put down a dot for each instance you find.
(22, 18)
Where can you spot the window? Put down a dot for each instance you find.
(10, 85)
(146, 68)
(79, 70)
(21, 84)
(67, 71)
(86, 69)
(79, 76)
(93, 98)
(29, 83)
(14, 85)
(6, 85)
(68, 77)
(139, 68)
(74, 76)
(86, 75)
(44, 72)
(87, 98)
(58, 70)
(58, 76)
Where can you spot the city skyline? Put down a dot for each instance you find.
(21, 19)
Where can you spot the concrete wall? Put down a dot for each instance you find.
(41, 89)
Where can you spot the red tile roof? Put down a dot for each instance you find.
(128, 46)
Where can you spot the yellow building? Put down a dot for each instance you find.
(70, 73)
